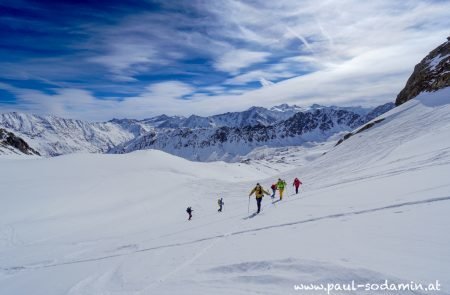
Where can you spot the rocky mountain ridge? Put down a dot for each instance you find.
(431, 74)
(12, 144)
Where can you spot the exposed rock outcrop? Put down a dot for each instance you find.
(14, 143)
(363, 128)
(431, 74)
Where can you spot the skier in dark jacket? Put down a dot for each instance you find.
(189, 211)
(220, 203)
(274, 189)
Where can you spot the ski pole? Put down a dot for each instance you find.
(248, 208)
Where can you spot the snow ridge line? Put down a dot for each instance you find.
(332, 216)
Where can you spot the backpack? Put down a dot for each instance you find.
(259, 189)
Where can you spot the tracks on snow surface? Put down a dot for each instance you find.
(251, 230)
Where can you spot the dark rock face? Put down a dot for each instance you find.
(364, 128)
(431, 74)
(10, 140)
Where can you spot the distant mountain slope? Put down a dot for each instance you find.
(251, 117)
(255, 116)
(227, 143)
(54, 136)
(431, 74)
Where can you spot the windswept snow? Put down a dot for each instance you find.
(373, 208)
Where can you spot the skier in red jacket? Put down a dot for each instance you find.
(297, 184)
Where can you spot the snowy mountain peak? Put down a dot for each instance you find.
(287, 108)
(316, 106)
(123, 121)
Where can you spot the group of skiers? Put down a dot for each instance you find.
(280, 185)
(259, 192)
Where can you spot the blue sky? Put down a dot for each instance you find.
(97, 60)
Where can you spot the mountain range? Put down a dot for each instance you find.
(218, 137)
(228, 142)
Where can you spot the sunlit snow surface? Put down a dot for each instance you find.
(375, 207)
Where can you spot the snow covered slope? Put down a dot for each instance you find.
(373, 208)
(54, 136)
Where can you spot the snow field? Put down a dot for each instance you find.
(373, 208)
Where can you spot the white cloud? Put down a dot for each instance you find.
(371, 78)
(164, 97)
(65, 102)
(257, 75)
(236, 59)
(300, 37)
(359, 52)
(171, 89)
(123, 58)
(264, 82)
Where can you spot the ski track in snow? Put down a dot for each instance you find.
(219, 236)
(188, 262)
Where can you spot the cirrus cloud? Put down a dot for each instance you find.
(147, 58)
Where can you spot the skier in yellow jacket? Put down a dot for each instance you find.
(259, 194)
(281, 184)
